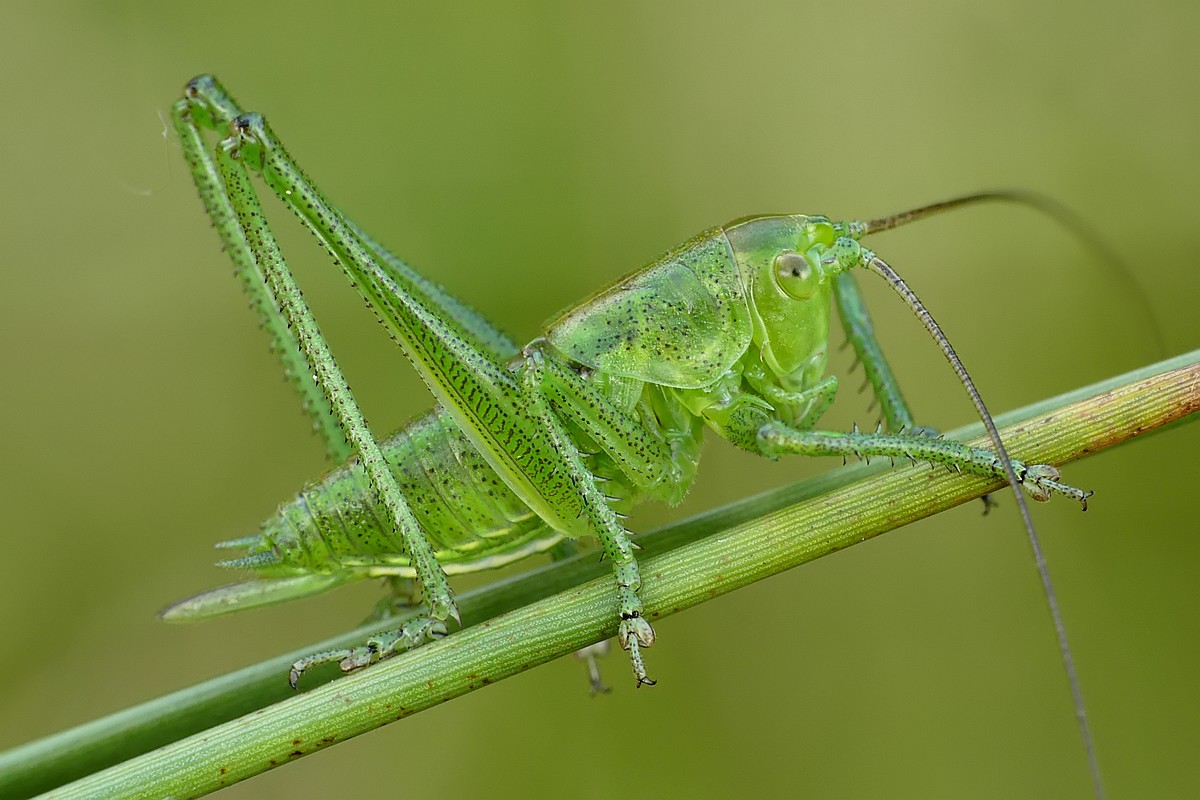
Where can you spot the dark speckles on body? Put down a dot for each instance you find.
(460, 502)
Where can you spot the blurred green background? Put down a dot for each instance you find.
(525, 154)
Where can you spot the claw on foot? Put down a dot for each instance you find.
(1041, 482)
(634, 634)
(414, 633)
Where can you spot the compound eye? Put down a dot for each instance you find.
(795, 275)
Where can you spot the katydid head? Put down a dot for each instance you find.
(788, 264)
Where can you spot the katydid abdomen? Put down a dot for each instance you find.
(335, 531)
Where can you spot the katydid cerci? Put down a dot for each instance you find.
(558, 439)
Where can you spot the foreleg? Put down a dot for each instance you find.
(1040, 481)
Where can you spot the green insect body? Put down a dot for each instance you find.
(334, 531)
(558, 439)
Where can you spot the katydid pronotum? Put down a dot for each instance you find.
(557, 439)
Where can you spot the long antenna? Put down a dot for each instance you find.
(1060, 630)
(1056, 211)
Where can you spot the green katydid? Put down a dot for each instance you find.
(557, 439)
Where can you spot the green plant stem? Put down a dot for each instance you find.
(760, 537)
